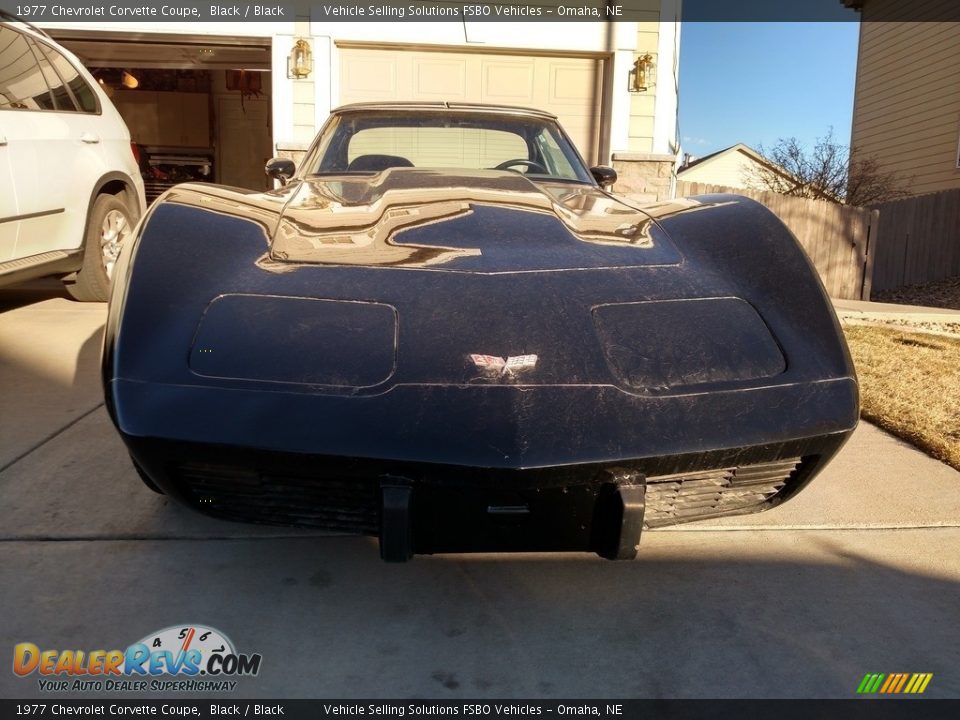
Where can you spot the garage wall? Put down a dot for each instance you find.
(243, 133)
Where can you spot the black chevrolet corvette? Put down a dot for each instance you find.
(443, 332)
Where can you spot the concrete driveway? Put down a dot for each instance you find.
(860, 573)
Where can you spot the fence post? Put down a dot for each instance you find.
(870, 252)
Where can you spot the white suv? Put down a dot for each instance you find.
(70, 188)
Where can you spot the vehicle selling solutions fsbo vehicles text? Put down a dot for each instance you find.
(420, 10)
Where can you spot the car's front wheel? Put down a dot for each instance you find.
(110, 223)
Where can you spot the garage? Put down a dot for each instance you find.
(568, 86)
(198, 108)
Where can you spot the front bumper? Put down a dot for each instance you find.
(432, 508)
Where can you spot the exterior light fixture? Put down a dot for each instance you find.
(129, 81)
(643, 75)
(300, 60)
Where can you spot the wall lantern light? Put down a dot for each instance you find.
(300, 60)
(643, 75)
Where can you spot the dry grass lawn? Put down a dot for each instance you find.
(910, 386)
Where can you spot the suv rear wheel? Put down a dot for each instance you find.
(110, 223)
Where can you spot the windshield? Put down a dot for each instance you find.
(368, 142)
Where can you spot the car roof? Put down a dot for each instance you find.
(445, 106)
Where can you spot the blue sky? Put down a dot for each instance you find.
(757, 82)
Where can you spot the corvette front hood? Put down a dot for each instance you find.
(479, 221)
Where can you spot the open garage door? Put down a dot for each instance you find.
(198, 108)
(569, 87)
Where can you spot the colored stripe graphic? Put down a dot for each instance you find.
(891, 681)
(870, 683)
(894, 683)
(899, 687)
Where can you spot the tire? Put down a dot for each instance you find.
(109, 225)
(146, 478)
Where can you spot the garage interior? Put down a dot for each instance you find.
(198, 109)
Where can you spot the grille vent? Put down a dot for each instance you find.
(352, 504)
(340, 504)
(672, 499)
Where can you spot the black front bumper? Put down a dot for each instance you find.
(416, 507)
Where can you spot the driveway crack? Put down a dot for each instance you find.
(50, 437)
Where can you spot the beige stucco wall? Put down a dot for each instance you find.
(907, 100)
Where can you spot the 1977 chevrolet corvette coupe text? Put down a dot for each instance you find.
(443, 332)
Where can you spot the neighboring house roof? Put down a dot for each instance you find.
(726, 167)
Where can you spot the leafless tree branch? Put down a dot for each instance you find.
(825, 173)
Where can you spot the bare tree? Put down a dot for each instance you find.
(826, 172)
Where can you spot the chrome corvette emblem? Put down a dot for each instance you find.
(506, 366)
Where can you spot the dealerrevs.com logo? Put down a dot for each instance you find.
(186, 658)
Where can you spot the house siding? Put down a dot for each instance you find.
(907, 99)
(730, 169)
(643, 105)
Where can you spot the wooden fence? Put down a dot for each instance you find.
(919, 240)
(837, 238)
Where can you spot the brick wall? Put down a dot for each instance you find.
(292, 151)
(644, 176)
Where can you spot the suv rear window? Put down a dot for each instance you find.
(22, 86)
(68, 74)
(35, 76)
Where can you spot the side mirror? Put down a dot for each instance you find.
(281, 169)
(604, 175)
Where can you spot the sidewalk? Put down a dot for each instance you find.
(912, 318)
(892, 311)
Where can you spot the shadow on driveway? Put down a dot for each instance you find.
(698, 615)
(31, 293)
(47, 387)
